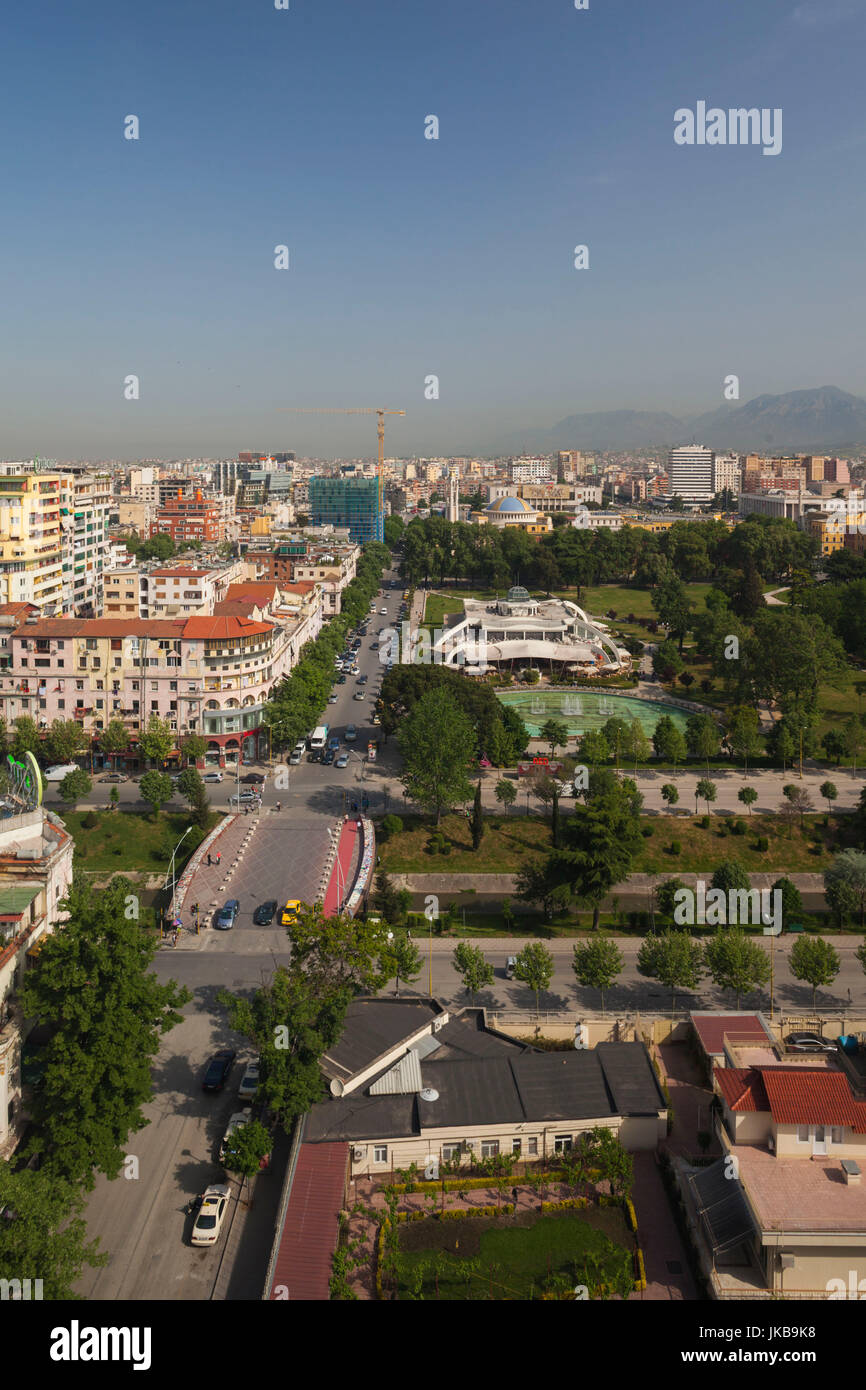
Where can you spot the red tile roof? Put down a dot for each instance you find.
(102, 627)
(224, 627)
(255, 589)
(793, 1095)
(311, 1227)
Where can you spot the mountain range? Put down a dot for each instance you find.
(823, 419)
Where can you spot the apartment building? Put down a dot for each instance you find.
(530, 470)
(690, 473)
(181, 591)
(31, 540)
(726, 473)
(190, 519)
(85, 503)
(35, 874)
(205, 674)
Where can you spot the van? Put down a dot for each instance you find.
(319, 738)
(59, 771)
(510, 966)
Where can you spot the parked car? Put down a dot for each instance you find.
(212, 1207)
(351, 733)
(334, 743)
(294, 758)
(510, 966)
(332, 700)
(218, 1070)
(290, 912)
(374, 646)
(342, 761)
(256, 778)
(384, 612)
(237, 1121)
(265, 913)
(301, 745)
(360, 695)
(212, 777)
(362, 680)
(809, 1042)
(114, 777)
(58, 771)
(250, 1081)
(341, 680)
(225, 918)
(328, 756)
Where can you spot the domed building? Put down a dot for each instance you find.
(513, 511)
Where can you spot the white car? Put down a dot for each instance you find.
(384, 612)
(213, 1205)
(237, 1121)
(212, 777)
(59, 771)
(250, 1081)
(294, 758)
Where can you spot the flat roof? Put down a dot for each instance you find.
(311, 1225)
(712, 1027)
(794, 1194)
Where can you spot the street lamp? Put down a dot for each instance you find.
(335, 844)
(170, 873)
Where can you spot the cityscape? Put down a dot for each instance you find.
(433, 834)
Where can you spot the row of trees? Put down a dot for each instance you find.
(771, 548)
(299, 700)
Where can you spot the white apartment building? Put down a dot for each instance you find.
(530, 470)
(85, 502)
(690, 473)
(726, 473)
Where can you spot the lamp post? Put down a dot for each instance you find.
(341, 890)
(170, 873)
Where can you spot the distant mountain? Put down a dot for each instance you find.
(824, 419)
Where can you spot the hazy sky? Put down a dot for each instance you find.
(412, 257)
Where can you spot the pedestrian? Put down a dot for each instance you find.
(514, 1197)
(279, 805)
(219, 857)
(208, 858)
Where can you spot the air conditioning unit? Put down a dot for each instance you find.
(358, 1155)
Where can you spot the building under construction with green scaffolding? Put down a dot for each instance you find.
(352, 502)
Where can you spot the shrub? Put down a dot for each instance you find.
(675, 847)
(740, 827)
(90, 821)
(392, 825)
(704, 822)
(762, 844)
(646, 831)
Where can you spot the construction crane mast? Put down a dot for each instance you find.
(379, 411)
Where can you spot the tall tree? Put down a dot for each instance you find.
(473, 968)
(505, 793)
(597, 964)
(109, 1011)
(534, 966)
(400, 959)
(156, 788)
(814, 961)
(673, 959)
(44, 1235)
(65, 740)
(476, 818)
(157, 740)
(114, 740)
(437, 743)
(555, 733)
(736, 962)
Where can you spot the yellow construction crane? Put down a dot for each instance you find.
(358, 410)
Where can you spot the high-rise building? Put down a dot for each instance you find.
(31, 541)
(690, 473)
(453, 511)
(352, 502)
(726, 473)
(85, 501)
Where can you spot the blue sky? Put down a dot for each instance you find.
(412, 257)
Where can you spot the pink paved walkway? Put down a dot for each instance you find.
(340, 884)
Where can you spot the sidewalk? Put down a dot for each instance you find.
(209, 885)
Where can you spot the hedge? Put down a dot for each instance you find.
(472, 1184)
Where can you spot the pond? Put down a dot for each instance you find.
(582, 710)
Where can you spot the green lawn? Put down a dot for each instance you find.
(511, 842)
(437, 606)
(132, 841)
(504, 1258)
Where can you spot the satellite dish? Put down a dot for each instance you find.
(429, 1094)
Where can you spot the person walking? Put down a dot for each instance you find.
(208, 859)
(219, 857)
(279, 805)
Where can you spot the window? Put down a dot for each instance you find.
(802, 1134)
(489, 1148)
(61, 704)
(380, 1153)
(517, 1146)
(450, 1151)
(562, 1144)
(837, 1135)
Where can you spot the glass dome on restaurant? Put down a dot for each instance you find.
(518, 594)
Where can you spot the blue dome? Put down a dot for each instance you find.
(508, 504)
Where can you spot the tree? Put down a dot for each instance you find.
(473, 968)
(65, 740)
(669, 742)
(602, 1151)
(735, 962)
(702, 737)
(814, 961)
(505, 793)
(637, 745)
(157, 740)
(43, 1232)
(731, 875)
(476, 818)
(92, 984)
(594, 747)
(705, 790)
(26, 737)
(670, 795)
(674, 608)
(748, 796)
(437, 743)
(845, 883)
(534, 966)
(554, 818)
(191, 786)
(386, 898)
(800, 800)
(247, 1145)
(829, 791)
(554, 732)
(834, 746)
(340, 955)
(75, 786)
(400, 960)
(743, 734)
(156, 788)
(792, 902)
(673, 959)
(597, 964)
(666, 898)
(114, 740)
(600, 841)
(194, 746)
(536, 883)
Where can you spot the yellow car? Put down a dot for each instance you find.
(290, 912)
